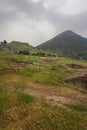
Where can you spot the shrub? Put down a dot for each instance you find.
(42, 54)
(25, 98)
(24, 52)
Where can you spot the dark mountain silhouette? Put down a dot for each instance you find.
(67, 44)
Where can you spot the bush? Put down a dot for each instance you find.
(42, 54)
(51, 55)
(24, 52)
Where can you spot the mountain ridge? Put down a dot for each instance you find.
(67, 44)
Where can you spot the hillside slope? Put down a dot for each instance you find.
(16, 46)
(68, 44)
(42, 93)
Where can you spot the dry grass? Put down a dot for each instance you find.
(30, 103)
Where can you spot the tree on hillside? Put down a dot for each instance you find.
(4, 42)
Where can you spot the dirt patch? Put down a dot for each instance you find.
(72, 66)
(12, 69)
(76, 66)
(50, 98)
(48, 61)
(55, 95)
(58, 99)
(81, 78)
(16, 61)
(20, 64)
(51, 95)
(63, 66)
(9, 69)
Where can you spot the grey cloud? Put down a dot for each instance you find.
(11, 10)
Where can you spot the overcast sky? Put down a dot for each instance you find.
(36, 21)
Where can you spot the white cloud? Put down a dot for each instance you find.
(35, 1)
(70, 7)
(52, 4)
(73, 7)
(29, 31)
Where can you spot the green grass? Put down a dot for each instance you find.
(3, 104)
(29, 72)
(25, 98)
(4, 63)
(30, 59)
(54, 118)
(79, 107)
(3, 99)
(52, 75)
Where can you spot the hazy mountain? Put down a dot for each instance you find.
(68, 44)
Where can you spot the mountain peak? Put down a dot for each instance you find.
(67, 44)
(67, 33)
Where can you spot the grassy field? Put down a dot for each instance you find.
(35, 96)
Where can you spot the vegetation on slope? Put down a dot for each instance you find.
(17, 47)
(35, 96)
